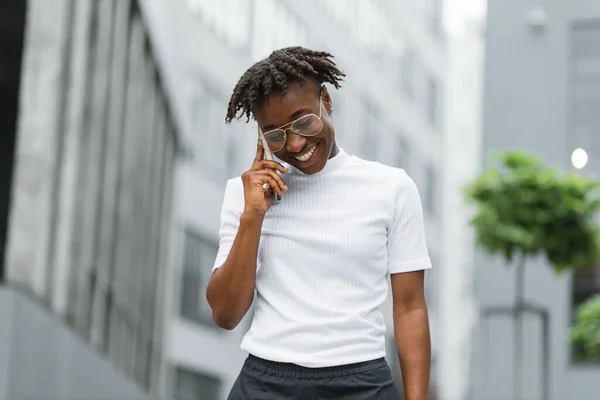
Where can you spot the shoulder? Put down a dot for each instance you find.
(234, 184)
(393, 176)
(393, 182)
(234, 192)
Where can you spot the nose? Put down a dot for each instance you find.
(294, 142)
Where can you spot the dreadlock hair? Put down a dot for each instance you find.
(283, 66)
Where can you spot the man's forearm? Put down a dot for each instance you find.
(411, 328)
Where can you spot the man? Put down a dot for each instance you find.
(319, 258)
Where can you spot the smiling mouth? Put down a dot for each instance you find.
(306, 156)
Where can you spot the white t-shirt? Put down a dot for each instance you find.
(324, 257)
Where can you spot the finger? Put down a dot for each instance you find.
(274, 176)
(260, 152)
(269, 192)
(264, 164)
(274, 180)
(274, 186)
(267, 184)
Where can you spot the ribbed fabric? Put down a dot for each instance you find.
(325, 254)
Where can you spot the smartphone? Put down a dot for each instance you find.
(268, 155)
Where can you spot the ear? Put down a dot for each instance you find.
(327, 100)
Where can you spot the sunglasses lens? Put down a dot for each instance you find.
(309, 125)
(275, 139)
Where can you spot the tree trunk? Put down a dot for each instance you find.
(518, 329)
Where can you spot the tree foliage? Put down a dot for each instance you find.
(524, 207)
(585, 334)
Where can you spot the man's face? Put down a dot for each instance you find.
(308, 154)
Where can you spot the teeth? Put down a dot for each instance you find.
(307, 155)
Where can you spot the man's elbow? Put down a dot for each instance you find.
(226, 322)
(223, 315)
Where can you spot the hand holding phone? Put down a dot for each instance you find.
(263, 171)
(268, 155)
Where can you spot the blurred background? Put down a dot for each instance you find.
(115, 157)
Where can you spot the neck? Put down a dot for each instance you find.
(334, 151)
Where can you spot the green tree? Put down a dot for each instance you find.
(585, 333)
(524, 208)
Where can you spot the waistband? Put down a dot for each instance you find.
(290, 370)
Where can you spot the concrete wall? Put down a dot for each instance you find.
(526, 106)
(41, 358)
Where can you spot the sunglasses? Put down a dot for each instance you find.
(307, 126)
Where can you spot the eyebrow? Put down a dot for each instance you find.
(293, 116)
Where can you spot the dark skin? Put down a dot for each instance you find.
(411, 331)
(231, 289)
(300, 99)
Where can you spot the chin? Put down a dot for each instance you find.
(316, 163)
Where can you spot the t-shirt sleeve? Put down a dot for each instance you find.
(407, 247)
(231, 211)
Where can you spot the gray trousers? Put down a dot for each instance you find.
(261, 380)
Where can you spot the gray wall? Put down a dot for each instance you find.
(41, 358)
(526, 106)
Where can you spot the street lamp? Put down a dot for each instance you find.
(579, 158)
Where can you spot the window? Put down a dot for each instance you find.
(403, 153)
(585, 90)
(584, 120)
(586, 284)
(368, 24)
(194, 386)
(198, 258)
(231, 27)
(208, 130)
(369, 132)
(407, 72)
(431, 190)
(232, 158)
(282, 30)
(435, 17)
(432, 100)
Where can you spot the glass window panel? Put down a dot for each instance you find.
(407, 72)
(232, 27)
(283, 28)
(198, 259)
(432, 100)
(368, 24)
(431, 190)
(370, 121)
(403, 153)
(585, 123)
(585, 91)
(436, 17)
(208, 130)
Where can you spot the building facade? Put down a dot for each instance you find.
(87, 202)
(542, 94)
(389, 109)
